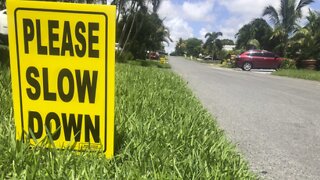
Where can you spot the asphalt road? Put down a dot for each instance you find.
(274, 121)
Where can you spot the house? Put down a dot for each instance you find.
(228, 47)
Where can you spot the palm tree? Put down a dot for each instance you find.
(307, 39)
(137, 6)
(256, 34)
(243, 36)
(2, 4)
(135, 9)
(180, 47)
(155, 5)
(213, 43)
(285, 20)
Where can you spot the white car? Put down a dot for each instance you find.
(3, 26)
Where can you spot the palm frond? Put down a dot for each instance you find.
(272, 13)
(284, 6)
(219, 34)
(207, 35)
(303, 3)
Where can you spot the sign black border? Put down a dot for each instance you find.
(106, 59)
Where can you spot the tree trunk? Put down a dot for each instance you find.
(122, 33)
(124, 29)
(138, 28)
(119, 11)
(285, 46)
(212, 55)
(90, 1)
(128, 36)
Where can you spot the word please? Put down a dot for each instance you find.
(77, 41)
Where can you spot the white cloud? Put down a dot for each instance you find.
(181, 29)
(241, 13)
(199, 11)
(169, 10)
(230, 27)
(182, 18)
(244, 11)
(202, 33)
(248, 9)
(176, 22)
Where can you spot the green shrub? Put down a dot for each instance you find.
(4, 56)
(299, 73)
(149, 63)
(146, 63)
(228, 63)
(165, 65)
(288, 64)
(124, 57)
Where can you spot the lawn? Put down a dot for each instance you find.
(301, 74)
(162, 132)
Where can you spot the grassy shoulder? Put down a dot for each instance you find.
(162, 132)
(299, 73)
(150, 63)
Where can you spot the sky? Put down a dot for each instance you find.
(194, 18)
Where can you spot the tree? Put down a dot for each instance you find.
(137, 6)
(155, 5)
(307, 39)
(243, 36)
(180, 48)
(227, 42)
(213, 44)
(285, 20)
(140, 29)
(255, 34)
(193, 46)
(2, 4)
(148, 36)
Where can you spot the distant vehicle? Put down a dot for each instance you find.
(154, 55)
(163, 53)
(207, 58)
(258, 59)
(3, 26)
(118, 48)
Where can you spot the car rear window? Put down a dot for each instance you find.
(269, 55)
(256, 54)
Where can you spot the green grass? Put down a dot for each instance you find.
(150, 63)
(4, 55)
(162, 132)
(301, 74)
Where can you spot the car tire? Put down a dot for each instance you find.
(247, 66)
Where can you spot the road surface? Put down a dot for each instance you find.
(274, 121)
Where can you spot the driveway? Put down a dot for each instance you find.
(274, 121)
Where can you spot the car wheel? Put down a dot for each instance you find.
(247, 66)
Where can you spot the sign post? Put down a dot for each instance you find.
(62, 66)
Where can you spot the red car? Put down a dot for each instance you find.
(258, 59)
(154, 55)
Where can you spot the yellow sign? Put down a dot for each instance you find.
(162, 60)
(62, 66)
